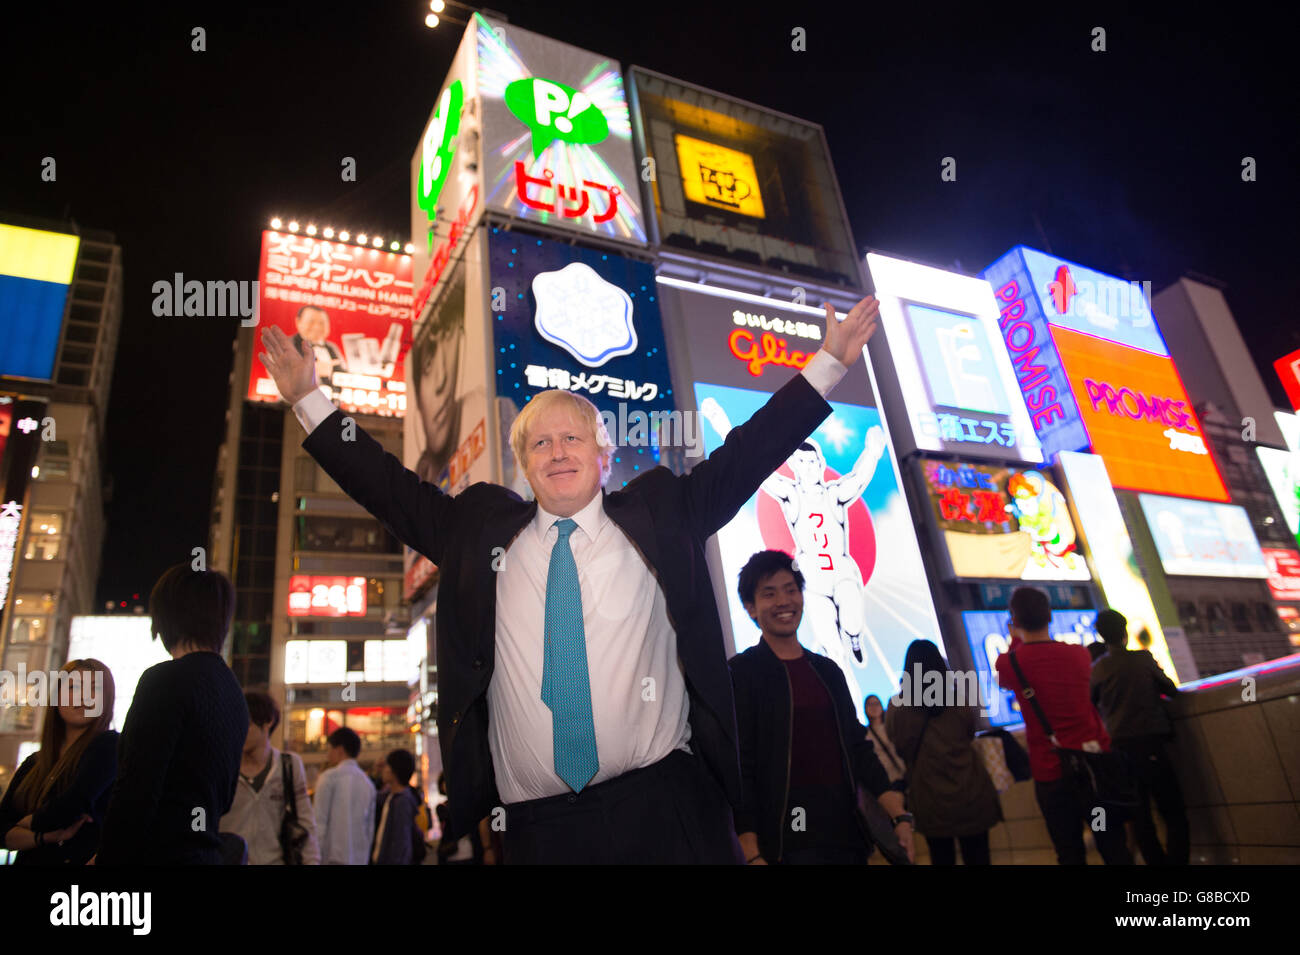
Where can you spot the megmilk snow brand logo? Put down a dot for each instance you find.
(588, 317)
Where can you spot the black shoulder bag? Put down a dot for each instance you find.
(1103, 779)
(293, 834)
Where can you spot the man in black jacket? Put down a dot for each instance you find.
(1126, 687)
(802, 750)
(582, 679)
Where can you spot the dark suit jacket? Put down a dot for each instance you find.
(667, 517)
(1126, 688)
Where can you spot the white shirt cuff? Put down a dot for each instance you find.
(823, 372)
(316, 407)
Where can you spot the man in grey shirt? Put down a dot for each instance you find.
(1127, 686)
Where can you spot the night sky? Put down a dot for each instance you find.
(1130, 160)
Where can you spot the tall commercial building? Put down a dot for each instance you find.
(318, 620)
(60, 316)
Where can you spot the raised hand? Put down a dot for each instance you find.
(846, 339)
(294, 372)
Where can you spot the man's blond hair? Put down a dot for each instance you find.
(584, 410)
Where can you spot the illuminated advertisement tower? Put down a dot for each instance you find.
(1093, 365)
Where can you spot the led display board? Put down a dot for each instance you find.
(1138, 417)
(947, 364)
(1288, 369)
(124, 644)
(586, 321)
(1200, 539)
(313, 596)
(1283, 470)
(20, 442)
(36, 270)
(988, 638)
(556, 134)
(352, 305)
(1283, 573)
(1114, 565)
(836, 504)
(735, 180)
(1003, 523)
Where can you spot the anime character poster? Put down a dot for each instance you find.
(837, 507)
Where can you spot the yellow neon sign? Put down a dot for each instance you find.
(719, 177)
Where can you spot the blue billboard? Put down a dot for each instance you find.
(986, 633)
(36, 269)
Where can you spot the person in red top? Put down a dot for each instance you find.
(1059, 674)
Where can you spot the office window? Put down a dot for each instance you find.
(44, 535)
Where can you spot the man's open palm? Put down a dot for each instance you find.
(294, 371)
(846, 339)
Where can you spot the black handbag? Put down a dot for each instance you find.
(293, 834)
(1103, 779)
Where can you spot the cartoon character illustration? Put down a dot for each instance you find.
(1042, 513)
(817, 512)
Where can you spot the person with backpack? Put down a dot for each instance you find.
(396, 807)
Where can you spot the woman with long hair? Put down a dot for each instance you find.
(949, 790)
(55, 806)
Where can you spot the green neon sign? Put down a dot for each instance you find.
(554, 111)
(439, 145)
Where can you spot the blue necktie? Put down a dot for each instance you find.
(566, 686)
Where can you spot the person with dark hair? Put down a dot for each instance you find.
(801, 745)
(55, 804)
(1059, 674)
(345, 803)
(267, 777)
(949, 790)
(874, 711)
(1096, 650)
(178, 758)
(395, 808)
(1127, 687)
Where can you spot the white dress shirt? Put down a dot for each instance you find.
(639, 702)
(345, 814)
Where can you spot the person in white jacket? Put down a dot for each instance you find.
(345, 803)
(260, 796)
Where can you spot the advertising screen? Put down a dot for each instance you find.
(586, 321)
(35, 272)
(556, 134)
(1114, 565)
(1282, 469)
(352, 305)
(986, 633)
(312, 596)
(1288, 369)
(1283, 573)
(1200, 539)
(732, 179)
(1003, 523)
(947, 363)
(1139, 418)
(125, 645)
(836, 505)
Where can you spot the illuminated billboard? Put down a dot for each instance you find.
(20, 442)
(1283, 470)
(1283, 573)
(124, 644)
(731, 179)
(1200, 539)
(36, 270)
(556, 134)
(1003, 523)
(1288, 369)
(586, 321)
(986, 634)
(1139, 418)
(312, 596)
(352, 305)
(836, 504)
(326, 661)
(1114, 565)
(948, 365)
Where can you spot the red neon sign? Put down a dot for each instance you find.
(1283, 573)
(768, 350)
(1288, 369)
(311, 596)
(441, 257)
(1062, 289)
